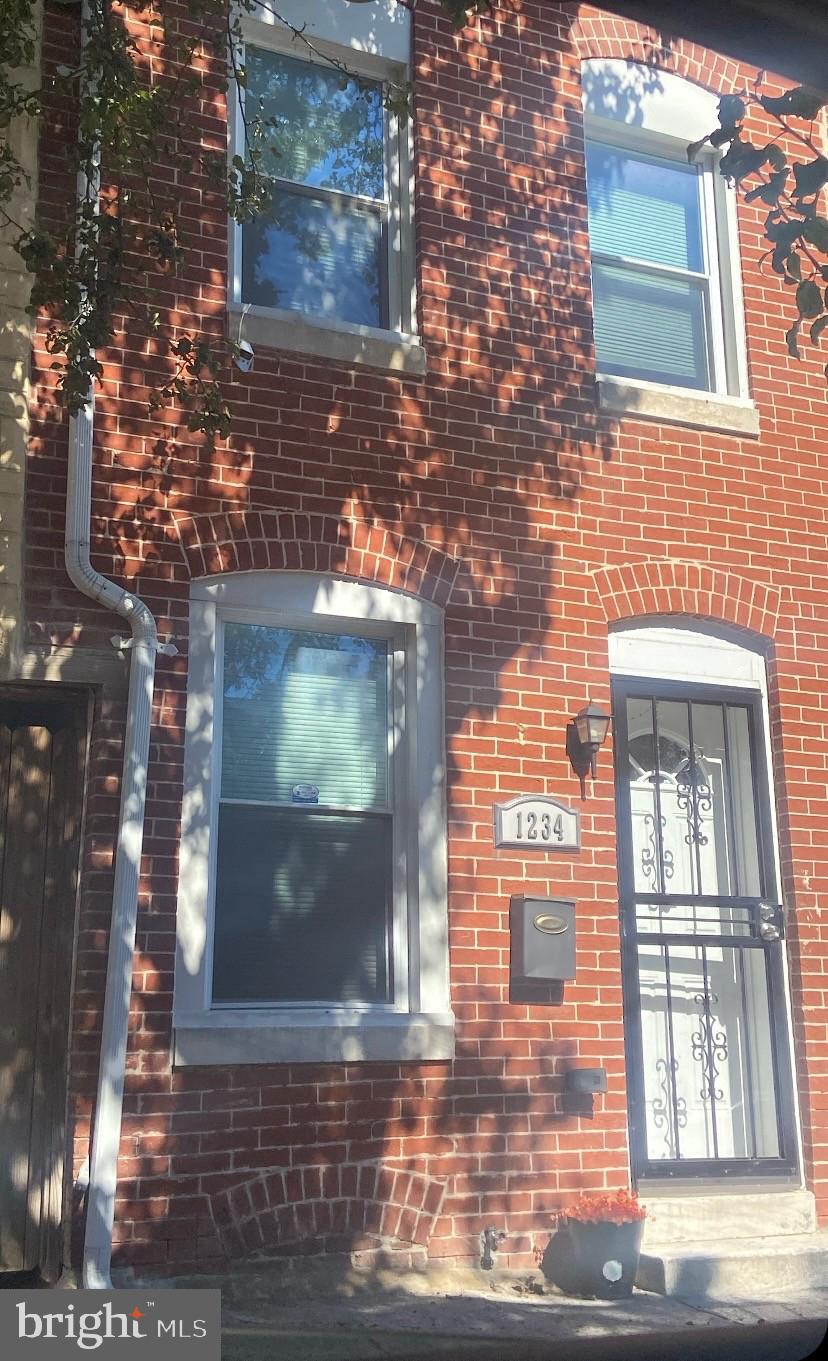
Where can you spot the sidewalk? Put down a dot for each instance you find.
(503, 1323)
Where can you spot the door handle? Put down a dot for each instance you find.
(771, 919)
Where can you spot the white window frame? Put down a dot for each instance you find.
(417, 1023)
(396, 345)
(658, 114)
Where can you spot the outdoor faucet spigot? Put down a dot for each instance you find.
(490, 1239)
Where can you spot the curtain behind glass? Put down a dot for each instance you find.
(304, 708)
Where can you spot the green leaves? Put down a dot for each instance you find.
(770, 190)
(461, 11)
(794, 228)
(792, 338)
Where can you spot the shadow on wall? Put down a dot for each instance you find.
(484, 460)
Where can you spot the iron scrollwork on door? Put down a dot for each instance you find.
(708, 1046)
(694, 797)
(654, 851)
(669, 1110)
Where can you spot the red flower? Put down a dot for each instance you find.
(611, 1207)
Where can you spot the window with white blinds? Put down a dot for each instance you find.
(657, 306)
(323, 245)
(303, 906)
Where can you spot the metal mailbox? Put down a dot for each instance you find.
(543, 939)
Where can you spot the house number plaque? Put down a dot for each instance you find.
(535, 822)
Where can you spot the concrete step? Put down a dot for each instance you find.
(679, 1218)
(716, 1268)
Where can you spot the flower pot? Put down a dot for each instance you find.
(604, 1257)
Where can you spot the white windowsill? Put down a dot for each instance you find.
(283, 330)
(311, 1036)
(677, 406)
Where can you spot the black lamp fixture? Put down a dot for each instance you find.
(585, 735)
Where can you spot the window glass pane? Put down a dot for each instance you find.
(323, 258)
(304, 709)
(646, 208)
(330, 128)
(648, 326)
(743, 797)
(303, 906)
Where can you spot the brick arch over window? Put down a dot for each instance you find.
(655, 588)
(597, 34)
(248, 540)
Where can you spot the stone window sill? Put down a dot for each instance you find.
(224, 1037)
(677, 406)
(363, 345)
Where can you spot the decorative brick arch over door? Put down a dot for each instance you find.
(641, 589)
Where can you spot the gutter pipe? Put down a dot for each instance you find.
(106, 1134)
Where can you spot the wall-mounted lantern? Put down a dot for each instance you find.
(585, 735)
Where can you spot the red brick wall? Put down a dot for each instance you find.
(494, 486)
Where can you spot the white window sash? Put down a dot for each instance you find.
(606, 257)
(397, 311)
(724, 315)
(397, 751)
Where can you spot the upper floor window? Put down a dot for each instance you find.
(332, 251)
(322, 247)
(656, 294)
(666, 286)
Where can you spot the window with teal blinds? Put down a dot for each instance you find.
(651, 284)
(304, 868)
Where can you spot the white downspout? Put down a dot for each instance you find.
(103, 1163)
(144, 644)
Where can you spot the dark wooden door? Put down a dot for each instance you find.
(42, 760)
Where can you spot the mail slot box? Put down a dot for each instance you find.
(543, 938)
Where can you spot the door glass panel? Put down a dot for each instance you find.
(692, 798)
(708, 1056)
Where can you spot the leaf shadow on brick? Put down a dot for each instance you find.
(458, 487)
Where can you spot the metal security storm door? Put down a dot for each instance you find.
(709, 1068)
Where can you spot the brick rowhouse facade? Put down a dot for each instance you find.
(496, 488)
